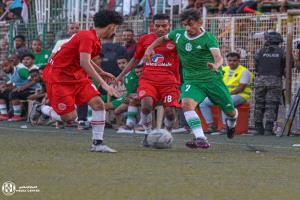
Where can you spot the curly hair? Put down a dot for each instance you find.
(190, 14)
(105, 17)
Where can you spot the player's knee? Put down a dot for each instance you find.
(97, 105)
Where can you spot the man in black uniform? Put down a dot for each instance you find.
(269, 67)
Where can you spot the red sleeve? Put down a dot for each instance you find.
(140, 50)
(86, 44)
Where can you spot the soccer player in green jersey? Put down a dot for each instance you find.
(201, 59)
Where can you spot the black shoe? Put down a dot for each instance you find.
(259, 129)
(269, 133)
(230, 130)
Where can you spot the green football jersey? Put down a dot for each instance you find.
(131, 82)
(194, 54)
(42, 58)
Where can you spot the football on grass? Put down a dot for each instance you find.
(160, 139)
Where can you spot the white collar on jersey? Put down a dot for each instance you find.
(193, 38)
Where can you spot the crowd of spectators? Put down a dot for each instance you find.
(27, 63)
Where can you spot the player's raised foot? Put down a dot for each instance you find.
(4, 117)
(198, 143)
(102, 148)
(16, 118)
(35, 112)
(230, 130)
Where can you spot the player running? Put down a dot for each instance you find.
(67, 77)
(201, 59)
(160, 78)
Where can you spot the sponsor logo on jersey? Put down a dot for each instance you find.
(62, 106)
(158, 58)
(142, 93)
(188, 47)
(170, 46)
(199, 47)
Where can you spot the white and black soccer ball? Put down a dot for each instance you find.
(160, 139)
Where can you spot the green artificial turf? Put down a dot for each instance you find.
(60, 164)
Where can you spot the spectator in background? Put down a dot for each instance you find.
(18, 89)
(20, 48)
(191, 4)
(41, 55)
(4, 91)
(39, 86)
(237, 77)
(73, 28)
(129, 42)
(28, 61)
(111, 51)
(50, 40)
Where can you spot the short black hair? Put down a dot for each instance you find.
(27, 55)
(105, 17)
(233, 54)
(190, 14)
(161, 16)
(122, 57)
(22, 37)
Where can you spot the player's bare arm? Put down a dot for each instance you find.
(218, 59)
(85, 63)
(157, 42)
(105, 75)
(132, 63)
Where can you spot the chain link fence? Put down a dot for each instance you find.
(243, 34)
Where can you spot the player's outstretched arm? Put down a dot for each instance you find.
(132, 63)
(218, 59)
(157, 42)
(85, 63)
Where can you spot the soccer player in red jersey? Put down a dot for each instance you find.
(67, 77)
(160, 77)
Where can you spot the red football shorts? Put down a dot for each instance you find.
(64, 97)
(169, 94)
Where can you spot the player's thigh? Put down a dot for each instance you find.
(192, 91)
(219, 94)
(170, 96)
(85, 92)
(146, 89)
(62, 98)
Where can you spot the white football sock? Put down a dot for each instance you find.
(98, 124)
(194, 123)
(147, 122)
(47, 110)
